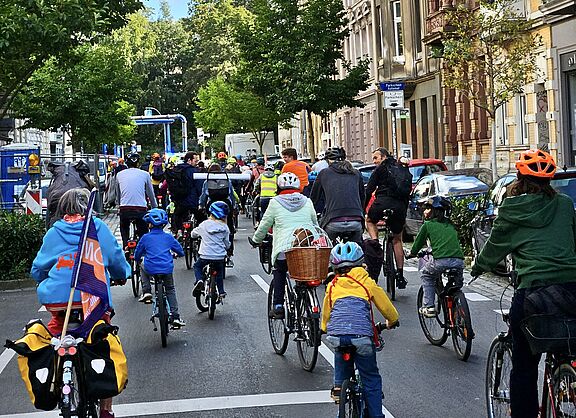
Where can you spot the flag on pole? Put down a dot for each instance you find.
(89, 275)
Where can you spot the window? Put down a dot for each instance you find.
(397, 24)
(417, 26)
(523, 126)
(501, 129)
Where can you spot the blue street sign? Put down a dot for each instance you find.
(391, 86)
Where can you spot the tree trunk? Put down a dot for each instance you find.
(310, 137)
(493, 162)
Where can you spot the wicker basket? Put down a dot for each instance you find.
(308, 263)
(550, 334)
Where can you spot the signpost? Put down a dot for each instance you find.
(394, 100)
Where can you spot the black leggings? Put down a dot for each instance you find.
(279, 273)
(126, 218)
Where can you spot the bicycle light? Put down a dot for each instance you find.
(314, 283)
(61, 351)
(186, 225)
(72, 351)
(132, 244)
(316, 309)
(346, 356)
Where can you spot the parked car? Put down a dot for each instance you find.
(451, 184)
(564, 181)
(418, 167)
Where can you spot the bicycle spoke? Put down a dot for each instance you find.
(564, 393)
(498, 370)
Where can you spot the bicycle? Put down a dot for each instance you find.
(190, 244)
(559, 383)
(160, 308)
(248, 205)
(207, 300)
(256, 210)
(389, 265)
(452, 314)
(130, 250)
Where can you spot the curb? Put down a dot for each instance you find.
(15, 285)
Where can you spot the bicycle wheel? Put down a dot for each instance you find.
(213, 297)
(188, 255)
(562, 402)
(462, 334)
(390, 269)
(202, 302)
(265, 259)
(71, 404)
(255, 212)
(349, 401)
(162, 313)
(195, 247)
(277, 327)
(309, 331)
(498, 367)
(434, 328)
(135, 279)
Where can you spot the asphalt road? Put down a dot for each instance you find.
(227, 368)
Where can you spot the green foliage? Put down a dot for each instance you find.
(491, 55)
(20, 239)
(461, 218)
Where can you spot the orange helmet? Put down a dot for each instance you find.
(222, 155)
(155, 156)
(120, 160)
(536, 163)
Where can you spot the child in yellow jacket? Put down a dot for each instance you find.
(348, 320)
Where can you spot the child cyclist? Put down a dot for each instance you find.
(156, 247)
(446, 249)
(348, 319)
(214, 246)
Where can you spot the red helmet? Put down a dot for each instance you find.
(222, 155)
(536, 163)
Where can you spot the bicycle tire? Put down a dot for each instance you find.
(195, 249)
(498, 366)
(277, 327)
(254, 214)
(434, 328)
(349, 402)
(135, 278)
(162, 314)
(202, 299)
(213, 297)
(462, 334)
(188, 255)
(309, 328)
(390, 269)
(563, 404)
(265, 259)
(74, 407)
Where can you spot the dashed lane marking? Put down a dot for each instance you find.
(476, 297)
(410, 268)
(323, 349)
(502, 311)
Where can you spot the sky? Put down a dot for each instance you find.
(179, 8)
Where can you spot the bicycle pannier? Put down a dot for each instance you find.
(103, 362)
(550, 334)
(37, 361)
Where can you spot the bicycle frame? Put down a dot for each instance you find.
(295, 295)
(155, 312)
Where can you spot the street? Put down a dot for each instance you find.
(227, 367)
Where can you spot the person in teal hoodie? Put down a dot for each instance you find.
(537, 226)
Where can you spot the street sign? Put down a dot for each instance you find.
(393, 95)
(392, 86)
(404, 113)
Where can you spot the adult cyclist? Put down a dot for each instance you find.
(340, 189)
(537, 226)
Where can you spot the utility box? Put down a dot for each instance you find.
(14, 172)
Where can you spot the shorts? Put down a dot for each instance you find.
(398, 218)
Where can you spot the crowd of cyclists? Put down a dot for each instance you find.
(536, 225)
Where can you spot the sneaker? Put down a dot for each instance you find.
(198, 288)
(146, 298)
(276, 313)
(106, 414)
(401, 282)
(229, 262)
(177, 323)
(335, 394)
(427, 311)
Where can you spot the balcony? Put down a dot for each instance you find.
(558, 7)
(436, 26)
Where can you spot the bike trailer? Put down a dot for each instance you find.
(550, 334)
(103, 362)
(37, 362)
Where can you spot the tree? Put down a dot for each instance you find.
(33, 31)
(490, 57)
(289, 56)
(226, 109)
(89, 99)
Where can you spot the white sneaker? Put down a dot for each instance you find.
(427, 311)
(178, 323)
(146, 298)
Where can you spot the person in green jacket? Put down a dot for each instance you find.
(537, 226)
(446, 249)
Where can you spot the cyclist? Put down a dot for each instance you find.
(286, 212)
(156, 247)
(52, 267)
(134, 186)
(214, 245)
(266, 188)
(300, 168)
(537, 226)
(384, 182)
(156, 171)
(340, 190)
(321, 164)
(443, 238)
(221, 159)
(348, 320)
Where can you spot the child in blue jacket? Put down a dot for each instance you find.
(156, 247)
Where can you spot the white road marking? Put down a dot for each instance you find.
(205, 404)
(476, 297)
(5, 358)
(323, 349)
(502, 311)
(410, 268)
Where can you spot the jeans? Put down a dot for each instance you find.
(432, 270)
(218, 265)
(279, 273)
(182, 213)
(365, 361)
(126, 218)
(168, 288)
(353, 229)
(264, 202)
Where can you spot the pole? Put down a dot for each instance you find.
(394, 132)
(493, 163)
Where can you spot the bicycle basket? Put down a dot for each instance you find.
(550, 334)
(308, 263)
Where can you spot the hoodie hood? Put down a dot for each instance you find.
(532, 210)
(292, 202)
(342, 167)
(68, 232)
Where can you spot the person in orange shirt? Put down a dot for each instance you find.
(300, 168)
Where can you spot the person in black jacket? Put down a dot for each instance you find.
(338, 192)
(188, 204)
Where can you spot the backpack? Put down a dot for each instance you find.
(65, 176)
(177, 181)
(157, 172)
(218, 189)
(400, 180)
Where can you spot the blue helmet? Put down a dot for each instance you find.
(312, 176)
(156, 217)
(219, 210)
(347, 254)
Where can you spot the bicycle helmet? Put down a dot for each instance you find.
(231, 160)
(219, 210)
(288, 181)
(260, 161)
(269, 167)
(155, 156)
(156, 217)
(312, 176)
(335, 154)
(279, 165)
(536, 163)
(442, 206)
(132, 159)
(221, 155)
(346, 254)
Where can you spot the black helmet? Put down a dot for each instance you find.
(278, 165)
(335, 154)
(440, 204)
(132, 159)
(260, 161)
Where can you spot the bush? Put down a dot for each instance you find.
(461, 218)
(20, 239)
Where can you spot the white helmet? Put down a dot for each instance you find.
(269, 167)
(288, 181)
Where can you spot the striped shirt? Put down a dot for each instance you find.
(350, 316)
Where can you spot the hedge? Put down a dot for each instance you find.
(461, 218)
(20, 239)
